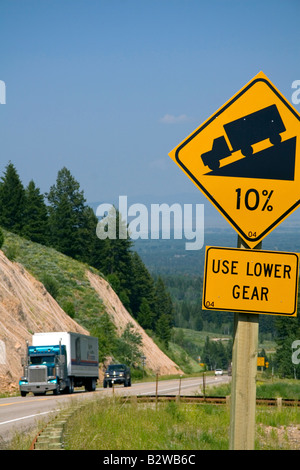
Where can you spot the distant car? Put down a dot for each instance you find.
(218, 372)
(117, 374)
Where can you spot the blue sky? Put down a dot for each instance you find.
(108, 87)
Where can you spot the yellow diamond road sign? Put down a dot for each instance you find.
(251, 281)
(246, 159)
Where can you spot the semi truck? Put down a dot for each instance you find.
(243, 133)
(58, 362)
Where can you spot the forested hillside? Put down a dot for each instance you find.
(61, 219)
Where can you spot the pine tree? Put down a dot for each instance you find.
(67, 215)
(163, 301)
(142, 288)
(12, 200)
(35, 220)
(98, 252)
(94, 249)
(163, 311)
(118, 262)
(163, 329)
(145, 315)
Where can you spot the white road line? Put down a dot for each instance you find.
(26, 417)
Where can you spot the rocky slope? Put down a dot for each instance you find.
(156, 360)
(26, 307)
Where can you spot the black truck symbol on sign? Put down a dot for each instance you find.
(243, 133)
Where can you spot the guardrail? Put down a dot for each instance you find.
(208, 399)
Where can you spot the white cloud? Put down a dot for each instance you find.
(171, 119)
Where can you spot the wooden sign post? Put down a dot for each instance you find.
(243, 386)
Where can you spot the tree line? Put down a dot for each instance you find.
(61, 219)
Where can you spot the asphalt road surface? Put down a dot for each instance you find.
(19, 414)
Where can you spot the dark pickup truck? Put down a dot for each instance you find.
(117, 374)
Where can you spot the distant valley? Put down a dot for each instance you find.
(171, 257)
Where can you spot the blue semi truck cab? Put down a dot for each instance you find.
(44, 370)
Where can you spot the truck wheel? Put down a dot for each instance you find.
(275, 139)
(71, 385)
(90, 385)
(23, 394)
(247, 151)
(104, 384)
(214, 165)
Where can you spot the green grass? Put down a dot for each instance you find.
(64, 277)
(287, 389)
(108, 424)
(182, 358)
(281, 389)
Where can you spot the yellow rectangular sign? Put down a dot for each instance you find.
(260, 362)
(251, 281)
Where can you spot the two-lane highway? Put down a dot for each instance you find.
(18, 414)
